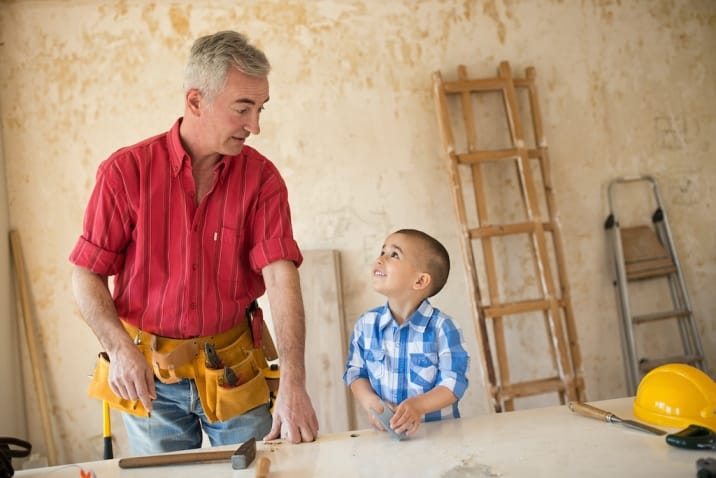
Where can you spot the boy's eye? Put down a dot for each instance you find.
(394, 255)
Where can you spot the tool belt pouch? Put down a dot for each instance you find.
(225, 401)
(99, 389)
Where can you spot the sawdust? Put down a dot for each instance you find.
(469, 469)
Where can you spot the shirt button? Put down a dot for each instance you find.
(193, 267)
(196, 228)
(192, 305)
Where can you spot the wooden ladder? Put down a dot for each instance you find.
(458, 104)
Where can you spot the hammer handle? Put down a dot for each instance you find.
(175, 458)
(263, 464)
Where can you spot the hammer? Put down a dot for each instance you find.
(240, 459)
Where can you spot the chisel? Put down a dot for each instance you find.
(594, 412)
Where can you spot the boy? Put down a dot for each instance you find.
(407, 353)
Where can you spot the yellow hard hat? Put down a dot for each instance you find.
(676, 395)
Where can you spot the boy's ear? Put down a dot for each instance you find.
(423, 281)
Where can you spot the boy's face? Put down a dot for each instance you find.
(396, 270)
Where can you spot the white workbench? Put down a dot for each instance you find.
(544, 442)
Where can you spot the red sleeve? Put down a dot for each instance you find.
(106, 229)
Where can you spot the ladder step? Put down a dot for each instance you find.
(531, 387)
(645, 365)
(474, 85)
(475, 157)
(669, 314)
(507, 229)
(519, 307)
(649, 269)
(489, 155)
(644, 254)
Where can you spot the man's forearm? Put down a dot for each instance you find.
(97, 308)
(284, 294)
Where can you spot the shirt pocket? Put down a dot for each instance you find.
(375, 363)
(423, 368)
(228, 254)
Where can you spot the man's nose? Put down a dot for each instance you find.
(252, 126)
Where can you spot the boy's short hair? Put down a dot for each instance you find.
(436, 259)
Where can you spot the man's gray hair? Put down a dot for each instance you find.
(211, 57)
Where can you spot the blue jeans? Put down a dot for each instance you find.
(177, 420)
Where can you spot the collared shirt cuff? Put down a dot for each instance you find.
(274, 250)
(100, 261)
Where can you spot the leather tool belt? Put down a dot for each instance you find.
(242, 349)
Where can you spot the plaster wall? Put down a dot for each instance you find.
(626, 87)
(12, 422)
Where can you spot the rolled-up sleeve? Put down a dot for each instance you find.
(106, 226)
(355, 365)
(272, 233)
(454, 360)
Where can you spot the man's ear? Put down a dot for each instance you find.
(193, 98)
(423, 281)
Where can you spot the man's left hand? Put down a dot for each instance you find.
(293, 413)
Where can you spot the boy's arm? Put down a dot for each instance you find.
(411, 411)
(367, 398)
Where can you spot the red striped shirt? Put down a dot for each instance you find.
(183, 270)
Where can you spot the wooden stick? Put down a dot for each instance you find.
(30, 336)
(262, 467)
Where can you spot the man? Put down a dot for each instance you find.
(194, 225)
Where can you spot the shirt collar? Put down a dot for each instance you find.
(418, 321)
(178, 155)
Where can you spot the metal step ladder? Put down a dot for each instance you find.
(506, 209)
(646, 253)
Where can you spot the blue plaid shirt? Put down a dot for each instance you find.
(402, 361)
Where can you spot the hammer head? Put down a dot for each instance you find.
(244, 455)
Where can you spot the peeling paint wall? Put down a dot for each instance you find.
(626, 87)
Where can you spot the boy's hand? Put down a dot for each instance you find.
(407, 417)
(376, 404)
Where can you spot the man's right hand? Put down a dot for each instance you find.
(130, 376)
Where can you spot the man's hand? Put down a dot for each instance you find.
(293, 412)
(130, 376)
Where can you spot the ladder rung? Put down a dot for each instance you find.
(531, 387)
(497, 155)
(474, 85)
(521, 307)
(507, 229)
(646, 365)
(488, 155)
(669, 314)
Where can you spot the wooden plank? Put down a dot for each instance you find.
(326, 340)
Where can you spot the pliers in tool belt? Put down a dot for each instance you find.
(212, 361)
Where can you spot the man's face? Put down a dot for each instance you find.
(234, 113)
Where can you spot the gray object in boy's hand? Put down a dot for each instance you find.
(384, 419)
